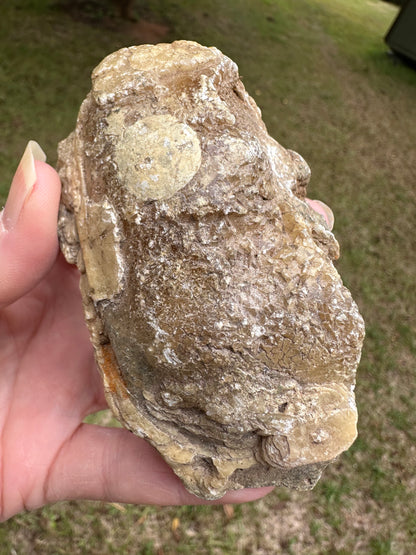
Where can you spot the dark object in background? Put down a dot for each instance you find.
(126, 9)
(95, 11)
(401, 37)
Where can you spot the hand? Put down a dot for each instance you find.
(323, 210)
(48, 379)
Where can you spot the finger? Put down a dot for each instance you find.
(112, 464)
(324, 210)
(28, 223)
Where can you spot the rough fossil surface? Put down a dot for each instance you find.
(222, 330)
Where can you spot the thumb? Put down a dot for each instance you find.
(28, 223)
(112, 464)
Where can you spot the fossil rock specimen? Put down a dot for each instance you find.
(221, 327)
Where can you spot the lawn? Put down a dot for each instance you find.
(327, 89)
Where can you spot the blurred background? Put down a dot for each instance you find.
(321, 74)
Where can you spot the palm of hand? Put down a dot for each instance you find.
(48, 384)
(49, 381)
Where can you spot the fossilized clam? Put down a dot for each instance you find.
(222, 330)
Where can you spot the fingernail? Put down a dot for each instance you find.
(22, 185)
(328, 214)
(324, 210)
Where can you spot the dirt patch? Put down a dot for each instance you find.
(285, 529)
(146, 32)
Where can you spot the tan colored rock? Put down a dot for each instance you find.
(221, 328)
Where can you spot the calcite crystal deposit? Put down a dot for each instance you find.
(222, 330)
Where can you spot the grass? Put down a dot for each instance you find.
(320, 73)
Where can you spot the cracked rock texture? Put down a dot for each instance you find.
(222, 330)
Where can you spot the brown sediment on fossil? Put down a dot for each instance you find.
(221, 327)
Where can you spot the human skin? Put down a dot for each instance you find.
(48, 378)
(49, 381)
